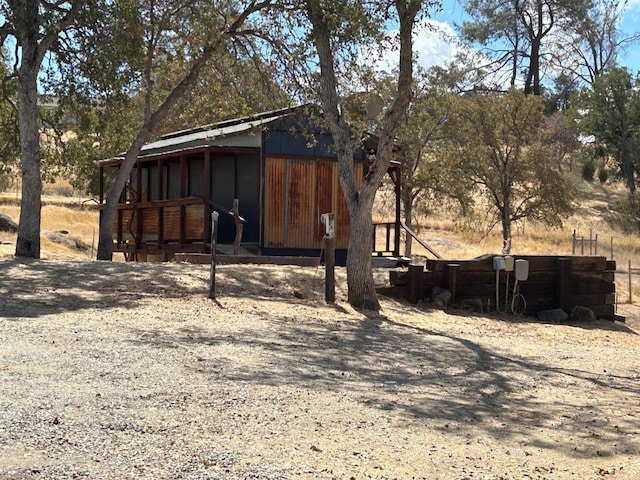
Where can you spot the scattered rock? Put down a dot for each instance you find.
(556, 315)
(582, 314)
(471, 305)
(7, 224)
(300, 294)
(440, 297)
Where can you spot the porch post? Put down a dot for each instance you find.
(183, 176)
(161, 191)
(207, 191)
(162, 195)
(396, 240)
(101, 183)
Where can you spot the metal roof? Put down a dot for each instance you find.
(218, 136)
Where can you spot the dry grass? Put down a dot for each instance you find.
(440, 231)
(58, 213)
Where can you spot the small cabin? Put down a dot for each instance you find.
(278, 168)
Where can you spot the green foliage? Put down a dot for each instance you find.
(603, 174)
(495, 146)
(588, 169)
(627, 213)
(427, 176)
(129, 58)
(518, 36)
(610, 113)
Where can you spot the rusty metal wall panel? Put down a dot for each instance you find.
(301, 211)
(274, 201)
(325, 171)
(297, 192)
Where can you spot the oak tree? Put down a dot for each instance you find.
(35, 26)
(495, 142)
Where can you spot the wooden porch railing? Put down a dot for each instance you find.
(178, 221)
(389, 244)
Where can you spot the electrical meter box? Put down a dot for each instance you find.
(498, 263)
(522, 270)
(509, 263)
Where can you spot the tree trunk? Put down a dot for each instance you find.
(360, 282)
(626, 166)
(506, 232)
(28, 242)
(105, 237)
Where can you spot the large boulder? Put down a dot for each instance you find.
(61, 238)
(582, 314)
(6, 224)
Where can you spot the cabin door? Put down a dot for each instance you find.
(237, 177)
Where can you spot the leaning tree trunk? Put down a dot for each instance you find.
(105, 236)
(28, 242)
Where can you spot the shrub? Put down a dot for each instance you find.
(627, 213)
(603, 175)
(588, 169)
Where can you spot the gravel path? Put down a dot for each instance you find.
(129, 371)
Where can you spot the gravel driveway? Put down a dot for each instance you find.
(129, 371)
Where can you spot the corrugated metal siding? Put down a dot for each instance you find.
(297, 192)
(325, 171)
(300, 218)
(274, 204)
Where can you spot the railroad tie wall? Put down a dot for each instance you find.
(553, 282)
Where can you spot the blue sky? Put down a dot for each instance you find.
(433, 50)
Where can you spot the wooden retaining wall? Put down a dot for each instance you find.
(553, 282)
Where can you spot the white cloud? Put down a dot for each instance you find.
(434, 44)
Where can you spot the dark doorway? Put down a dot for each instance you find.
(237, 177)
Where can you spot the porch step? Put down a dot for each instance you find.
(227, 249)
(390, 262)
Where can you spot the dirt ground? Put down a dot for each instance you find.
(122, 371)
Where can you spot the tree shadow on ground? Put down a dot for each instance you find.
(434, 380)
(33, 288)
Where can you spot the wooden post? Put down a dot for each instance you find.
(239, 226)
(595, 252)
(573, 243)
(415, 282)
(564, 284)
(453, 270)
(214, 236)
(101, 185)
(630, 284)
(396, 232)
(328, 219)
(590, 241)
(611, 258)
